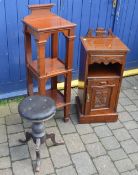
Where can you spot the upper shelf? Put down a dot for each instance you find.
(42, 19)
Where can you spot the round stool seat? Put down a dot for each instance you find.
(37, 108)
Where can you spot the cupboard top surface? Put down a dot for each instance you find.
(42, 19)
(104, 44)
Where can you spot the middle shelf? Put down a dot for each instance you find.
(53, 67)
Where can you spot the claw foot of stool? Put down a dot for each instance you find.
(28, 137)
(38, 109)
(52, 137)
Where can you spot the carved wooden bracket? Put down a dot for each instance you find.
(106, 60)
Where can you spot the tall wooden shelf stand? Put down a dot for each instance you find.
(42, 24)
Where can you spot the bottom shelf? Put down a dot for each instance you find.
(57, 96)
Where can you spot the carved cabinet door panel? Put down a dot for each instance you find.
(101, 96)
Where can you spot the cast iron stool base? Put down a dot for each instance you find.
(39, 137)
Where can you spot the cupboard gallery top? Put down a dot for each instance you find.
(42, 24)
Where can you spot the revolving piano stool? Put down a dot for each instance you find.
(38, 109)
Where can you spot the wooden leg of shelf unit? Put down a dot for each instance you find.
(54, 42)
(67, 96)
(41, 87)
(54, 83)
(29, 83)
(66, 113)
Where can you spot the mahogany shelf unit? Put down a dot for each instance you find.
(43, 24)
(101, 69)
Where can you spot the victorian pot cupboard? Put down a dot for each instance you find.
(101, 68)
(42, 24)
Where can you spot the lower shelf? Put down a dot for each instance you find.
(57, 96)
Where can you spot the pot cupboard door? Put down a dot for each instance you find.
(101, 96)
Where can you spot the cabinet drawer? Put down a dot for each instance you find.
(103, 82)
(106, 59)
(101, 95)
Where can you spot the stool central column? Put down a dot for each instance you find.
(38, 131)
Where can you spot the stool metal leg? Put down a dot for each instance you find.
(52, 137)
(28, 137)
(38, 142)
(39, 136)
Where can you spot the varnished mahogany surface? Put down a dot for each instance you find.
(101, 69)
(41, 19)
(113, 44)
(48, 23)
